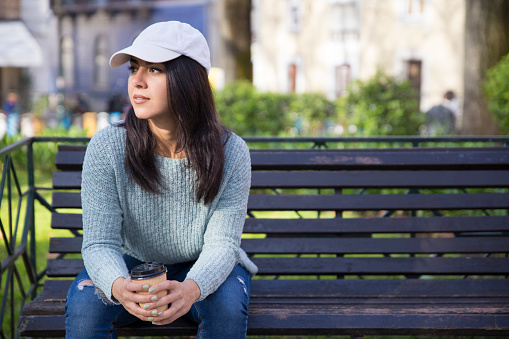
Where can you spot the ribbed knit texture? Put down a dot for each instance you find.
(120, 218)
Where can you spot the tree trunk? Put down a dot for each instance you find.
(486, 42)
(237, 37)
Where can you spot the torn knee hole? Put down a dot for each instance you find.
(84, 283)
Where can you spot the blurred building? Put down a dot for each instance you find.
(24, 27)
(90, 31)
(322, 45)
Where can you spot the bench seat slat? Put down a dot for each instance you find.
(342, 245)
(352, 266)
(289, 202)
(277, 321)
(348, 179)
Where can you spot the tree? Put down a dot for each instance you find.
(236, 33)
(496, 87)
(486, 42)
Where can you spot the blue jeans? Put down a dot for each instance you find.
(223, 314)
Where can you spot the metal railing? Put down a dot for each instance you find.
(18, 224)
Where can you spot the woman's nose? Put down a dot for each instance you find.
(138, 79)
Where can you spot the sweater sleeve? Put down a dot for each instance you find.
(102, 216)
(220, 252)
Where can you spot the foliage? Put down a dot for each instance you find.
(249, 112)
(381, 105)
(44, 152)
(496, 88)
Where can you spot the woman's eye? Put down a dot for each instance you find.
(156, 70)
(132, 69)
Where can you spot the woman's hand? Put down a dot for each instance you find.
(124, 290)
(181, 296)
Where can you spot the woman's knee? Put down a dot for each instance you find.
(231, 300)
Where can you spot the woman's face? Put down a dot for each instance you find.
(148, 90)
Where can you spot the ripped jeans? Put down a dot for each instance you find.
(223, 314)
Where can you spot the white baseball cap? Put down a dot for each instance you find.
(164, 41)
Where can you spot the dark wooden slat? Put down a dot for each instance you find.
(71, 148)
(397, 324)
(423, 158)
(375, 246)
(66, 221)
(378, 225)
(66, 200)
(353, 266)
(379, 202)
(348, 225)
(348, 202)
(283, 322)
(65, 245)
(342, 245)
(64, 267)
(352, 288)
(383, 266)
(350, 179)
(378, 179)
(67, 180)
(69, 160)
(386, 158)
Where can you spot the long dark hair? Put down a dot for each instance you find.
(199, 134)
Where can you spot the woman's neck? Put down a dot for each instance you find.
(167, 144)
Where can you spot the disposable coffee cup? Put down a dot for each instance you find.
(150, 273)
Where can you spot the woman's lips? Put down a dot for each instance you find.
(140, 99)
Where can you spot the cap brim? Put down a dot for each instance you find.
(148, 53)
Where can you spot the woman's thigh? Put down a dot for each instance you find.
(89, 314)
(224, 313)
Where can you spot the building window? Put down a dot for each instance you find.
(292, 78)
(66, 70)
(101, 68)
(413, 10)
(294, 15)
(343, 74)
(415, 7)
(414, 75)
(344, 21)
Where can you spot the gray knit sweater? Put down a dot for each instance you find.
(119, 217)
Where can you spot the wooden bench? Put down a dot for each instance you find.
(352, 241)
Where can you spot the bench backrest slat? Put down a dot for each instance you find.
(343, 245)
(344, 266)
(348, 179)
(289, 202)
(422, 158)
(344, 225)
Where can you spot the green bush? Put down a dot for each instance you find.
(496, 88)
(381, 105)
(249, 112)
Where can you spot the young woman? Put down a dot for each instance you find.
(169, 184)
